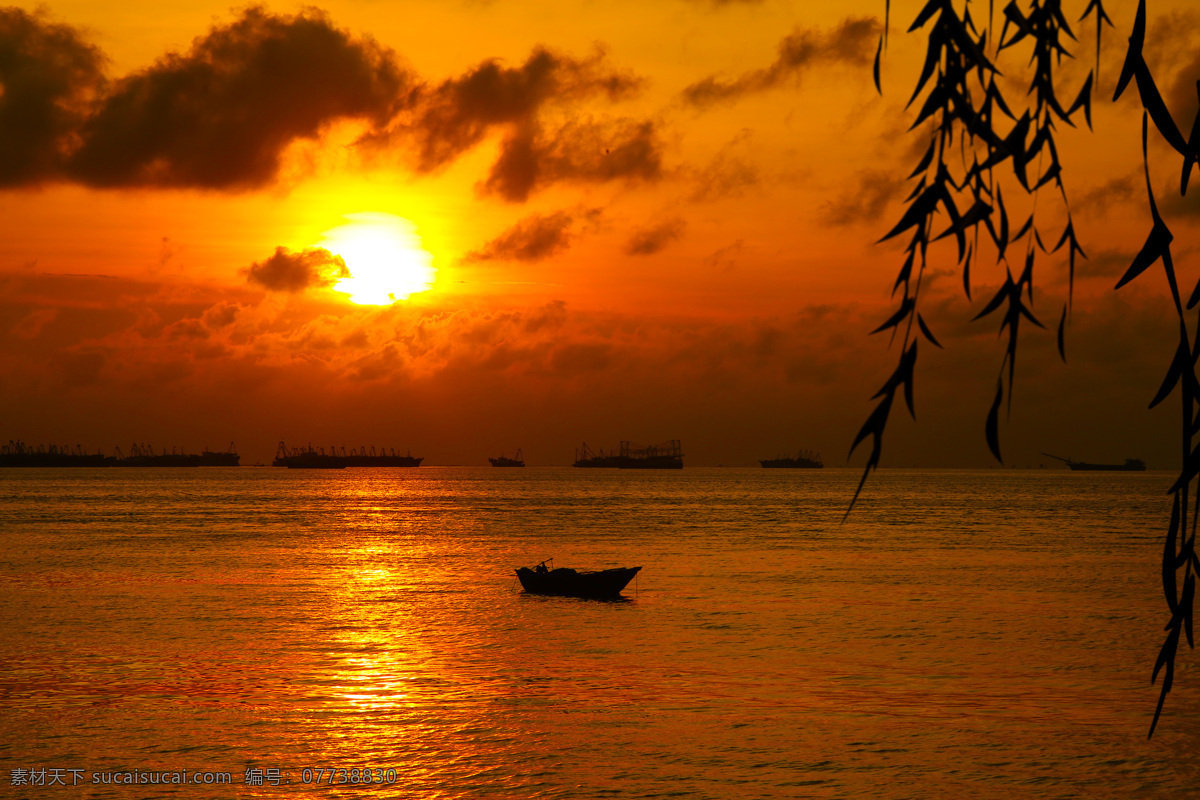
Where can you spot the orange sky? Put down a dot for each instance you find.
(646, 223)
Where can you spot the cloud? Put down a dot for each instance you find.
(651, 240)
(1108, 265)
(118, 351)
(865, 201)
(1170, 39)
(1182, 96)
(48, 75)
(457, 114)
(1173, 54)
(1129, 191)
(221, 115)
(1183, 205)
(294, 272)
(221, 315)
(581, 151)
(1184, 209)
(579, 357)
(726, 258)
(532, 239)
(849, 43)
(727, 175)
(82, 367)
(1115, 192)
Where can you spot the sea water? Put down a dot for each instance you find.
(259, 632)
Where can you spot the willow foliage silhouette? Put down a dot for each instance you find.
(977, 144)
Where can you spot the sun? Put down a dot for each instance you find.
(384, 257)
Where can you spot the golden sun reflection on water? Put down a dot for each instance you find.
(377, 652)
(369, 619)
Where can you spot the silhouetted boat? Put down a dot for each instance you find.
(518, 461)
(143, 455)
(564, 582)
(312, 458)
(18, 454)
(805, 459)
(229, 458)
(1130, 465)
(584, 457)
(668, 455)
(306, 458)
(312, 461)
(363, 458)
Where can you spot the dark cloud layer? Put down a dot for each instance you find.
(851, 42)
(48, 75)
(582, 152)
(458, 113)
(532, 239)
(151, 346)
(221, 115)
(287, 271)
(1173, 54)
(1182, 205)
(729, 174)
(653, 239)
(865, 200)
(1115, 192)
(727, 257)
(1183, 96)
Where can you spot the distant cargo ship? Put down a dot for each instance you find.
(19, 454)
(313, 458)
(143, 455)
(584, 457)
(229, 458)
(502, 461)
(668, 455)
(805, 459)
(1130, 465)
(310, 461)
(306, 458)
(384, 458)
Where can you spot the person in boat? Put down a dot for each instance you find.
(540, 569)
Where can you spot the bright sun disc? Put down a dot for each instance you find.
(384, 257)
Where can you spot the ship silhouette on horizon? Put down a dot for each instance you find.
(667, 455)
(805, 459)
(504, 461)
(316, 458)
(1130, 465)
(18, 454)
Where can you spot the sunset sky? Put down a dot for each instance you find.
(596, 221)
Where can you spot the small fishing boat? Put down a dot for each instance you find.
(505, 461)
(564, 582)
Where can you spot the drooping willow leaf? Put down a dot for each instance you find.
(1062, 344)
(925, 330)
(1179, 552)
(959, 105)
(993, 422)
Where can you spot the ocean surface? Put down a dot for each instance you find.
(361, 633)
